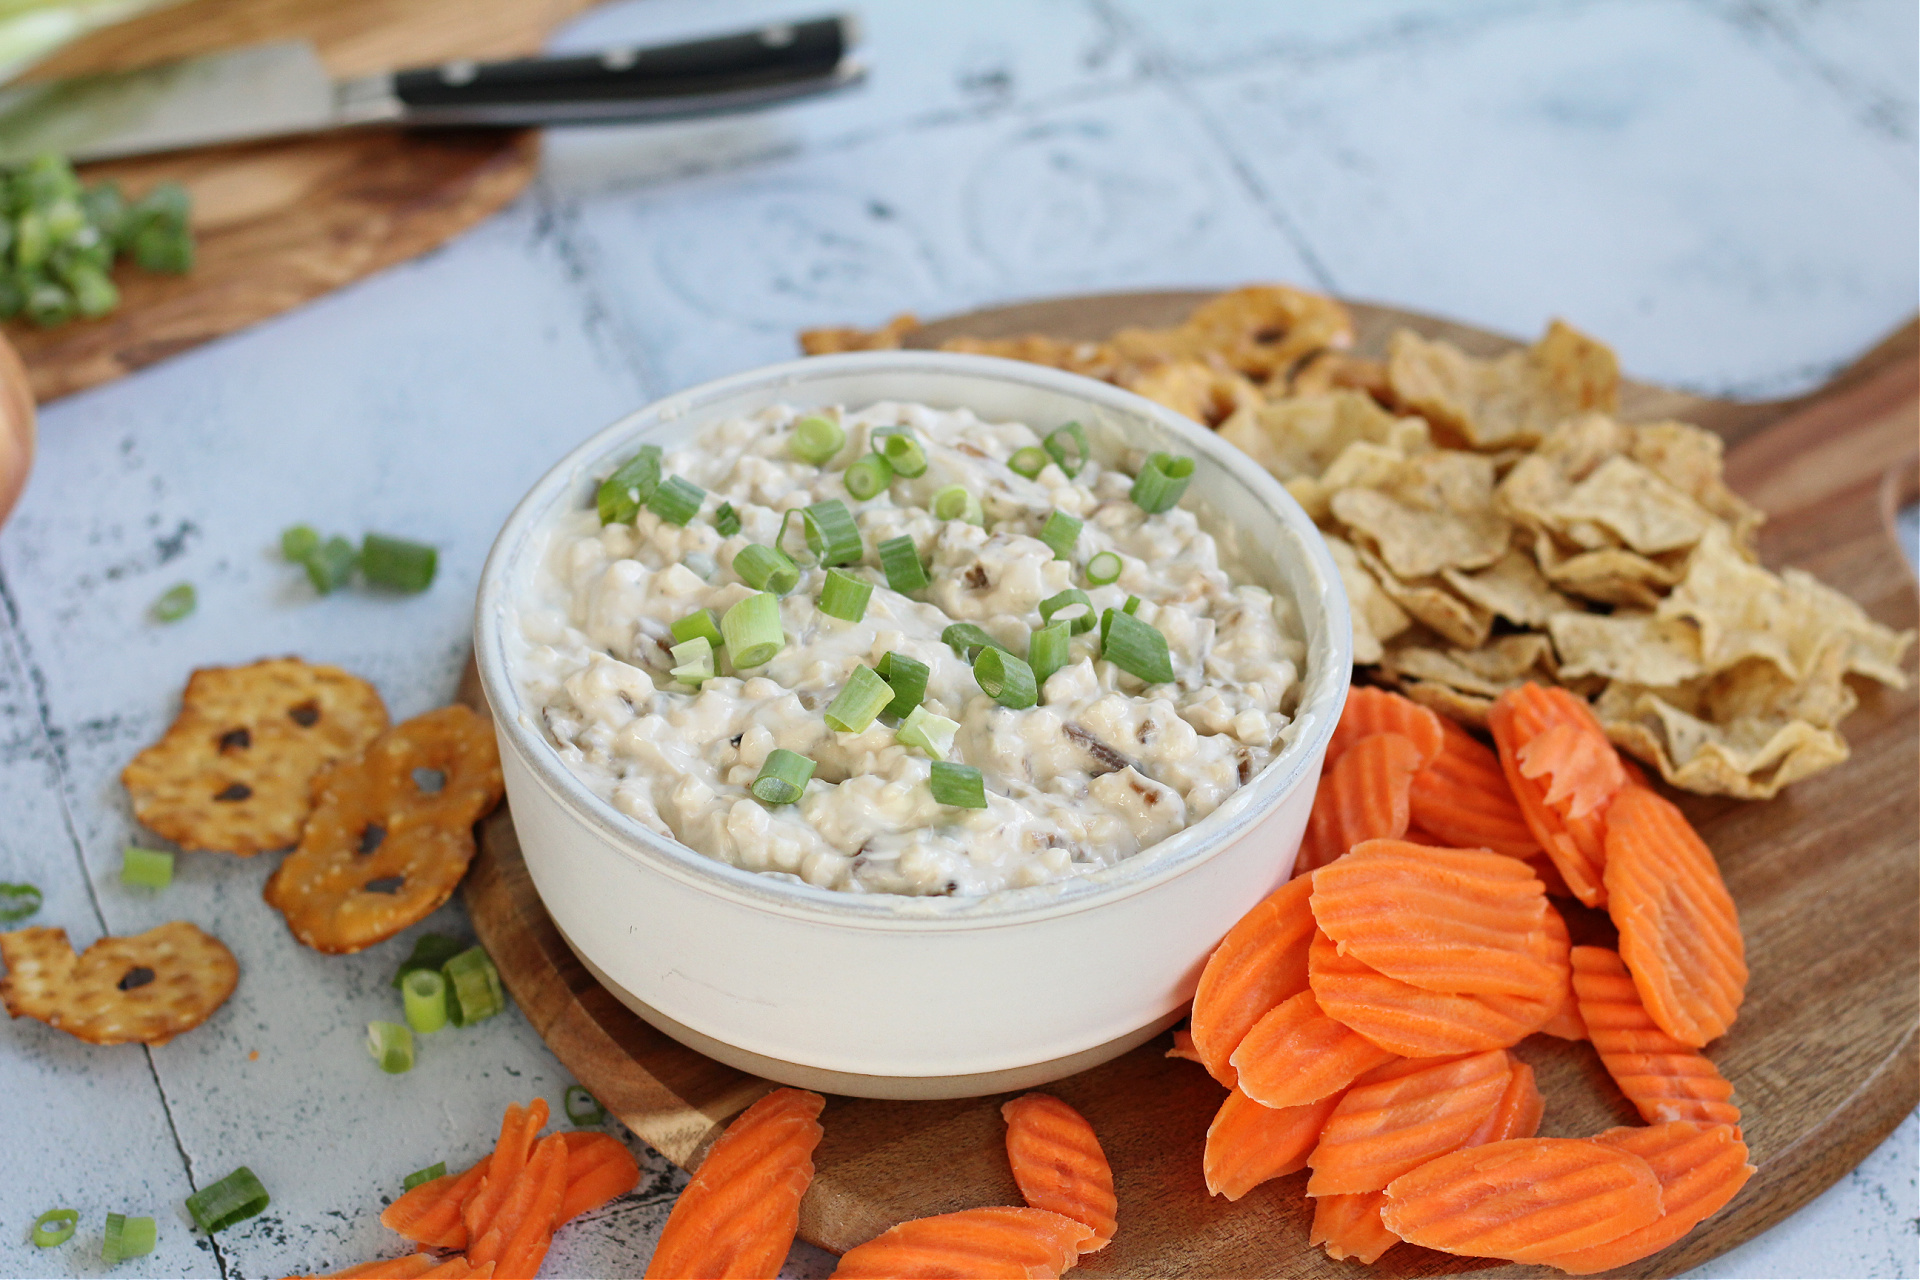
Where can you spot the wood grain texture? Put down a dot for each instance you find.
(1825, 1057)
(282, 222)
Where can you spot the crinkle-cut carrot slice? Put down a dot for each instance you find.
(1663, 1078)
(1297, 1054)
(1058, 1164)
(738, 1214)
(599, 1169)
(1577, 764)
(1526, 1200)
(1457, 921)
(1370, 711)
(1679, 929)
(1564, 1022)
(1547, 872)
(515, 1239)
(973, 1242)
(1462, 797)
(518, 1130)
(1517, 1114)
(1365, 796)
(458, 1268)
(1183, 1046)
(1406, 1020)
(1248, 1144)
(1348, 1227)
(1402, 1116)
(430, 1213)
(1700, 1167)
(407, 1268)
(1261, 961)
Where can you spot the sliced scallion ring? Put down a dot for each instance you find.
(867, 476)
(55, 1226)
(391, 1045)
(676, 500)
(957, 502)
(856, 705)
(1004, 678)
(424, 994)
(844, 596)
(1132, 605)
(1060, 532)
(1161, 482)
(1135, 647)
(900, 560)
(1071, 598)
(966, 639)
(128, 1238)
(474, 984)
(175, 603)
(931, 733)
(693, 661)
(783, 778)
(766, 569)
(1028, 462)
(1068, 448)
(1103, 568)
(146, 868)
(752, 631)
(420, 1177)
(1049, 650)
(698, 624)
(907, 676)
(299, 542)
(396, 563)
(622, 494)
(726, 520)
(832, 535)
(234, 1198)
(902, 452)
(330, 565)
(816, 439)
(582, 1108)
(18, 901)
(958, 785)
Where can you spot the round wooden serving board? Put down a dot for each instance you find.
(1824, 1056)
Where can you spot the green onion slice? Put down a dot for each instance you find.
(855, 706)
(1135, 647)
(902, 452)
(234, 1198)
(1004, 678)
(424, 994)
(474, 992)
(146, 868)
(330, 565)
(783, 778)
(908, 678)
(1132, 605)
(1161, 482)
(958, 785)
(1103, 568)
(1067, 442)
(766, 569)
(55, 1226)
(832, 535)
(845, 596)
(1050, 649)
(697, 625)
(867, 476)
(900, 559)
(693, 661)
(582, 1108)
(420, 1177)
(299, 542)
(18, 901)
(621, 494)
(430, 951)
(966, 640)
(957, 502)
(128, 1237)
(1071, 598)
(726, 520)
(1028, 462)
(175, 603)
(752, 631)
(931, 733)
(391, 1045)
(677, 500)
(397, 563)
(1060, 532)
(816, 439)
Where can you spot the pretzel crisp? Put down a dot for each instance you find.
(147, 989)
(234, 771)
(385, 845)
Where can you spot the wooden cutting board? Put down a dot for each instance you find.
(1825, 1056)
(281, 222)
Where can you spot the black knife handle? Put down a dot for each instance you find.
(743, 69)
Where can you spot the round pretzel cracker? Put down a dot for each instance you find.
(148, 988)
(381, 851)
(234, 770)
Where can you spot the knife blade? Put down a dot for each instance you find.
(282, 89)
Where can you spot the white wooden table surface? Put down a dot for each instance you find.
(1725, 190)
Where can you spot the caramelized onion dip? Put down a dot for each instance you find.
(1102, 766)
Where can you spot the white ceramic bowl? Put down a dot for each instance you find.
(885, 996)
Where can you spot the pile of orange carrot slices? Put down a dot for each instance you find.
(1362, 1014)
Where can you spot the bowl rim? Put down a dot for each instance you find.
(1324, 687)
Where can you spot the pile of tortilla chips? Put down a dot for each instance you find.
(1494, 524)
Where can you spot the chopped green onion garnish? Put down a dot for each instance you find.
(816, 439)
(1004, 678)
(1071, 598)
(845, 596)
(430, 951)
(931, 733)
(146, 868)
(1132, 605)
(693, 661)
(1161, 482)
(726, 520)
(473, 984)
(1060, 532)
(128, 1238)
(966, 639)
(855, 706)
(1049, 650)
(55, 1226)
(175, 603)
(752, 631)
(832, 535)
(900, 560)
(424, 993)
(582, 1107)
(902, 452)
(1068, 442)
(1103, 568)
(1106, 619)
(622, 494)
(868, 475)
(908, 676)
(677, 500)
(783, 778)
(697, 625)
(299, 542)
(956, 502)
(420, 1177)
(330, 565)
(18, 901)
(391, 1045)
(1028, 462)
(766, 569)
(958, 785)
(397, 563)
(234, 1198)
(1135, 647)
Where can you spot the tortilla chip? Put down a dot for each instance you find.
(1873, 650)
(1469, 709)
(1464, 624)
(1642, 648)
(1511, 399)
(1751, 758)
(1645, 512)
(1689, 458)
(1488, 671)
(1305, 435)
(1512, 587)
(1361, 466)
(1335, 370)
(1375, 617)
(1435, 513)
(1612, 575)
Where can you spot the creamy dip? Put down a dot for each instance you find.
(1103, 767)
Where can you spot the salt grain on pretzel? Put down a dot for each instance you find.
(148, 988)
